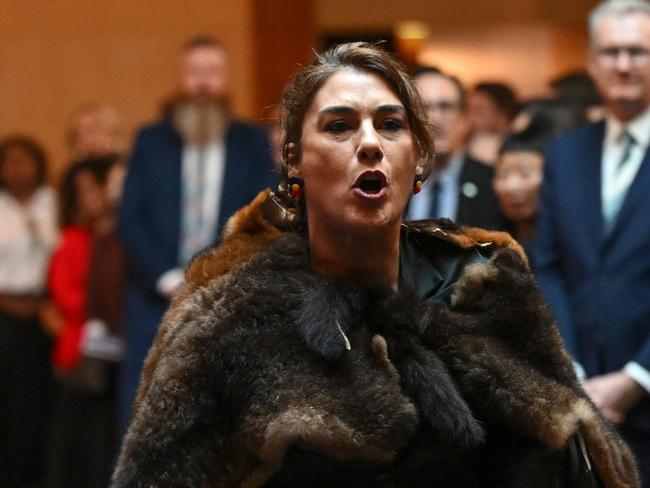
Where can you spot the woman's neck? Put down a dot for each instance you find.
(23, 197)
(525, 229)
(103, 225)
(370, 259)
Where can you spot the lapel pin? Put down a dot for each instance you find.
(470, 190)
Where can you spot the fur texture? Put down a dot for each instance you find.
(259, 359)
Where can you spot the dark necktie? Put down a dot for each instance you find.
(615, 202)
(628, 143)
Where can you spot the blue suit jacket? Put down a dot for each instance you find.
(149, 222)
(598, 285)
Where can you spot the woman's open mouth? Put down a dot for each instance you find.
(370, 185)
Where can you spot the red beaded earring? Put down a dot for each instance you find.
(294, 187)
(417, 184)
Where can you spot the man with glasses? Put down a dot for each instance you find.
(460, 188)
(592, 253)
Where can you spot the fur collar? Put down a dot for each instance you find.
(497, 340)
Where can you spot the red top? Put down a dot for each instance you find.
(67, 282)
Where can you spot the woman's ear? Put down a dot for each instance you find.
(291, 158)
(419, 170)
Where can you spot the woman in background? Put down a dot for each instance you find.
(83, 423)
(28, 233)
(518, 171)
(517, 180)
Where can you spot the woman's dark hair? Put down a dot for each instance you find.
(31, 147)
(524, 141)
(555, 115)
(534, 138)
(502, 95)
(577, 86)
(366, 58)
(98, 167)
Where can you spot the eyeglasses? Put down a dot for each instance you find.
(637, 55)
(444, 107)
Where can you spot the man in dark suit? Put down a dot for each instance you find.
(460, 188)
(187, 174)
(592, 254)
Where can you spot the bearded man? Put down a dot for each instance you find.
(187, 174)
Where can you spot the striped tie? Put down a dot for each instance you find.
(628, 143)
(613, 207)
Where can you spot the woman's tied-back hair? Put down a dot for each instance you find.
(366, 58)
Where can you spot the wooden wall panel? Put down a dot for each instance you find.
(58, 54)
(284, 39)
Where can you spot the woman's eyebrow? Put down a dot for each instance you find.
(390, 109)
(347, 110)
(337, 109)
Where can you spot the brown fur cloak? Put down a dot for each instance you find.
(262, 373)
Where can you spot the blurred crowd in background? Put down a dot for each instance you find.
(87, 269)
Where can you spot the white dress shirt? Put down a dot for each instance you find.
(616, 182)
(27, 237)
(202, 175)
(616, 178)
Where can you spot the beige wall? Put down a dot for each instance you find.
(350, 14)
(57, 54)
(527, 56)
(526, 42)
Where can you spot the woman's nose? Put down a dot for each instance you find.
(369, 144)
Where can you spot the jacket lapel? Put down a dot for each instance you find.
(467, 205)
(171, 180)
(588, 177)
(419, 273)
(633, 200)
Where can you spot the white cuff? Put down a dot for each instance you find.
(170, 281)
(639, 374)
(99, 343)
(580, 371)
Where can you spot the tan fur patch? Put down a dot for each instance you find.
(311, 429)
(246, 233)
(472, 236)
(380, 350)
(249, 219)
(612, 459)
(474, 276)
(567, 424)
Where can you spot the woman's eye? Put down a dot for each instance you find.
(391, 124)
(338, 126)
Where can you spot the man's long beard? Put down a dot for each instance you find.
(200, 119)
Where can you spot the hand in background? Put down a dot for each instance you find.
(51, 319)
(615, 394)
(24, 307)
